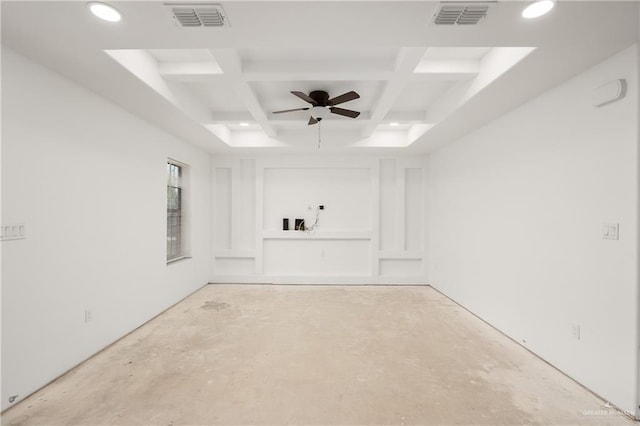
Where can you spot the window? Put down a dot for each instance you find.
(176, 241)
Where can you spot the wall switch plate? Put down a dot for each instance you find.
(16, 231)
(610, 231)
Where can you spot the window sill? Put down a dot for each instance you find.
(178, 259)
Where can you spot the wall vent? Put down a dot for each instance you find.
(455, 13)
(198, 15)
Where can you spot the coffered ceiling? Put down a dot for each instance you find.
(420, 84)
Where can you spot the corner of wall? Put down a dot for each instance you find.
(637, 94)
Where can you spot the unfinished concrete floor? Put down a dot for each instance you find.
(233, 354)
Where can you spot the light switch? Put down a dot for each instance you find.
(13, 232)
(610, 231)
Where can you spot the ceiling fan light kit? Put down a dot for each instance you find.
(319, 112)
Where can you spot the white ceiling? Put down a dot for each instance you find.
(437, 83)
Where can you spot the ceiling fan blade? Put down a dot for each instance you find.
(312, 121)
(346, 112)
(304, 97)
(289, 110)
(345, 97)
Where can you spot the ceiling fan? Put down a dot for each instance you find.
(322, 105)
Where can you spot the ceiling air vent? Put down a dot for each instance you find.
(460, 13)
(198, 15)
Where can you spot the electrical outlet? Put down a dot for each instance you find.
(575, 331)
(610, 231)
(87, 315)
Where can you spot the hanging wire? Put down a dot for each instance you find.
(311, 228)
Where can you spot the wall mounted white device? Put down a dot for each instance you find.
(609, 92)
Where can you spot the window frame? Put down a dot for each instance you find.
(182, 183)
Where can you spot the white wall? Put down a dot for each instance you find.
(372, 229)
(88, 180)
(516, 216)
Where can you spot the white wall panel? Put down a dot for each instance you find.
(361, 201)
(401, 267)
(244, 214)
(227, 266)
(344, 192)
(413, 211)
(327, 258)
(222, 205)
(388, 205)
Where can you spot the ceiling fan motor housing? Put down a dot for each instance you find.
(320, 96)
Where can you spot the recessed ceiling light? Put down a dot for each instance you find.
(538, 8)
(105, 11)
(394, 124)
(244, 124)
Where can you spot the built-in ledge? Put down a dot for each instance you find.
(409, 254)
(316, 235)
(234, 254)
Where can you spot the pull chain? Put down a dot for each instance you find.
(319, 133)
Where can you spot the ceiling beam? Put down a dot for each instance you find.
(494, 64)
(372, 70)
(317, 70)
(406, 61)
(144, 66)
(448, 66)
(190, 71)
(455, 101)
(405, 116)
(446, 70)
(231, 64)
(219, 117)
